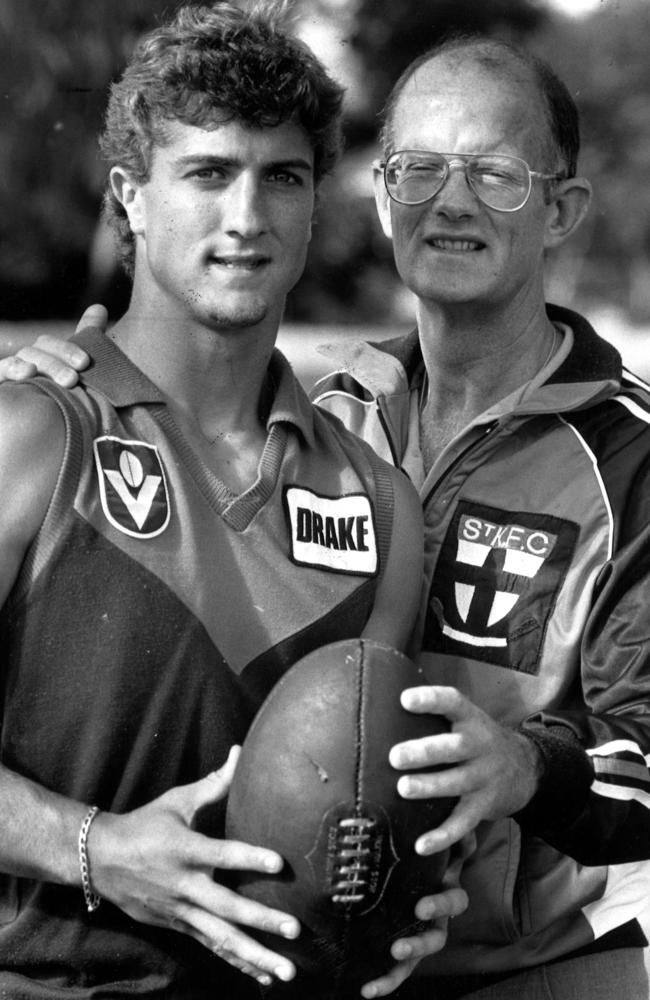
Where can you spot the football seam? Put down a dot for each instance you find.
(359, 728)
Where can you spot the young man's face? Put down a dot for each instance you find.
(223, 224)
(453, 250)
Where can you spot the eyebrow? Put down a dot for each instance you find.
(208, 159)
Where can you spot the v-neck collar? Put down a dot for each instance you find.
(124, 385)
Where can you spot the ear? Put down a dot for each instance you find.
(129, 195)
(566, 210)
(382, 201)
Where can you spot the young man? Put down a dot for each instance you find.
(156, 572)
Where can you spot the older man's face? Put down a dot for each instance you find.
(453, 249)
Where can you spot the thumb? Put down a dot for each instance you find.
(95, 315)
(215, 785)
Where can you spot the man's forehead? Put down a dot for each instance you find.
(460, 72)
(458, 86)
(237, 141)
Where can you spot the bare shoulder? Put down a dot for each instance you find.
(32, 442)
(29, 419)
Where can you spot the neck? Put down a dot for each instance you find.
(214, 378)
(473, 361)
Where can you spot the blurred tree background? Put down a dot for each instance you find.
(57, 58)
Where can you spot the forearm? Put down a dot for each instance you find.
(593, 799)
(565, 775)
(40, 831)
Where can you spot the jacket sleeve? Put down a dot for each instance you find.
(593, 802)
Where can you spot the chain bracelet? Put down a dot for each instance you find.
(91, 898)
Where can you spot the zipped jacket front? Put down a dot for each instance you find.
(535, 605)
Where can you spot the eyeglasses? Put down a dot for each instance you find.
(503, 183)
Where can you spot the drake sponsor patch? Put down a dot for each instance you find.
(334, 533)
(132, 486)
(495, 584)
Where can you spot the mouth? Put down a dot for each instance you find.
(250, 262)
(456, 246)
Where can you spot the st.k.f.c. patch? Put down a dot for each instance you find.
(496, 583)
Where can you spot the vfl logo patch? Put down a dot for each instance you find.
(496, 583)
(334, 533)
(132, 486)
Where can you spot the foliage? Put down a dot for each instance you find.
(57, 58)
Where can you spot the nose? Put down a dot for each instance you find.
(456, 198)
(244, 207)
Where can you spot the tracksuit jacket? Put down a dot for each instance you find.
(536, 605)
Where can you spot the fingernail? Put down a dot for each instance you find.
(430, 844)
(284, 972)
(264, 979)
(405, 787)
(402, 950)
(273, 864)
(289, 929)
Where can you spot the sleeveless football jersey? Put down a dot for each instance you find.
(153, 613)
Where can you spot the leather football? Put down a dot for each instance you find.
(314, 783)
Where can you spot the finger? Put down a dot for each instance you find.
(95, 315)
(15, 369)
(238, 949)
(229, 905)
(460, 822)
(421, 945)
(428, 751)
(57, 359)
(387, 984)
(224, 774)
(437, 700)
(443, 905)
(451, 782)
(213, 787)
(64, 350)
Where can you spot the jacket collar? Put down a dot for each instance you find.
(123, 384)
(592, 359)
(592, 367)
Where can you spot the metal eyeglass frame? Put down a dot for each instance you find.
(464, 160)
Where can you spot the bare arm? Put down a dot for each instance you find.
(150, 862)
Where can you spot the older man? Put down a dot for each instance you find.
(531, 450)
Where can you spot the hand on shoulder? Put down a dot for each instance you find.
(54, 357)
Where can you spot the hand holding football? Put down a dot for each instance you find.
(314, 783)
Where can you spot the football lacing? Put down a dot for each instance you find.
(352, 868)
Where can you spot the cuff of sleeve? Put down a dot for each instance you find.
(567, 775)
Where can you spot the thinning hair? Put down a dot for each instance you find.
(207, 66)
(559, 109)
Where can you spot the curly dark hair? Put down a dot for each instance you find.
(560, 111)
(211, 65)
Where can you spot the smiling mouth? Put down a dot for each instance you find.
(456, 246)
(240, 263)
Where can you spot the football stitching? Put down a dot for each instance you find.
(352, 866)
